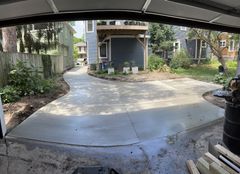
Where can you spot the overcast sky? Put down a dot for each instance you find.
(80, 28)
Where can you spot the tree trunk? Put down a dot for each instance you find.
(222, 61)
(238, 63)
(9, 42)
(200, 54)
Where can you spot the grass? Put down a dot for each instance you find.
(205, 72)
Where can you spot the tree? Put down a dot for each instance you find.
(161, 38)
(43, 38)
(212, 38)
(1, 48)
(75, 52)
(77, 40)
(9, 39)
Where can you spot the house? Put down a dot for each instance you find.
(82, 49)
(230, 48)
(117, 41)
(64, 44)
(195, 47)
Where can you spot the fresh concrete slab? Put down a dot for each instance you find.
(98, 112)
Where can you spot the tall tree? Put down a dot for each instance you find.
(212, 38)
(161, 38)
(39, 37)
(9, 39)
(1, 48)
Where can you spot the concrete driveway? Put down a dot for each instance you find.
(98, 112)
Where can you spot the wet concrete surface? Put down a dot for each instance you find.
(98, 112)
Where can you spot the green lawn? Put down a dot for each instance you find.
(205, 72)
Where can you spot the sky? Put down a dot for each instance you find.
(80, 29)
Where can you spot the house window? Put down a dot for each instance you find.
(222, 43)
(103, 50)
(203, 44)
(183, 28)
(176, 46)
(89, 26)
(231, 45)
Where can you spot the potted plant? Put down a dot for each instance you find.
(110, 68)
(134, 67)
(126, 67)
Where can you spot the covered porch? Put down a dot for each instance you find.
(118, 44)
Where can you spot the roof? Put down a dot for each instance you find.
(81, 44)
(214, 14)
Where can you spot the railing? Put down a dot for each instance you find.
(121, 22)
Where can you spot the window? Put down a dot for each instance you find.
(203, 44)
(222, 43)
(176, 46)
(183, 28)
(103, 50)
(231, 45)
(89, 26)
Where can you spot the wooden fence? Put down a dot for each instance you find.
(42, 63)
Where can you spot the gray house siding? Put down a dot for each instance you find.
(190, 45)
(180, 35)
(91, 38)
(127, 49)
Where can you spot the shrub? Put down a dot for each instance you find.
(155, 62)
(9, 94)
(220, 79)
(180, 60)
(126, 64)
(23, 81)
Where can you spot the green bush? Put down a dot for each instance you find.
(23, 81)
(180, 60)
(9, 94)
(220, 79)
(102, 72)
(155, 62)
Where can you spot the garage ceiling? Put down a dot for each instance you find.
(216, 14)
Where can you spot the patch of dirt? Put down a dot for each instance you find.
(142, 76)
(220, 102)
(17, 112)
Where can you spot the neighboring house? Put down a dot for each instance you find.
(82, 49)
(195, 47)
(117, 41)
(231, 48)
(64, 46)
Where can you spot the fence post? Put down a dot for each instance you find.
(2, 121)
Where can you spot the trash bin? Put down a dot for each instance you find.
(231, 136)
(231, 128)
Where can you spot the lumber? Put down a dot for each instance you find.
(203, 166)
(214, 168)
(192, 167)
(234, 158)
(210, 159)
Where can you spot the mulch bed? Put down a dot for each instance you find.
(142, 76)
(17, 112)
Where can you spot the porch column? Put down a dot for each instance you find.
(145, 51)
(2, 121)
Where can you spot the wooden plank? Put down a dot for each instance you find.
(203, 166)
(214, 168)
(210, 159)
(192, 167)
(234, 158)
